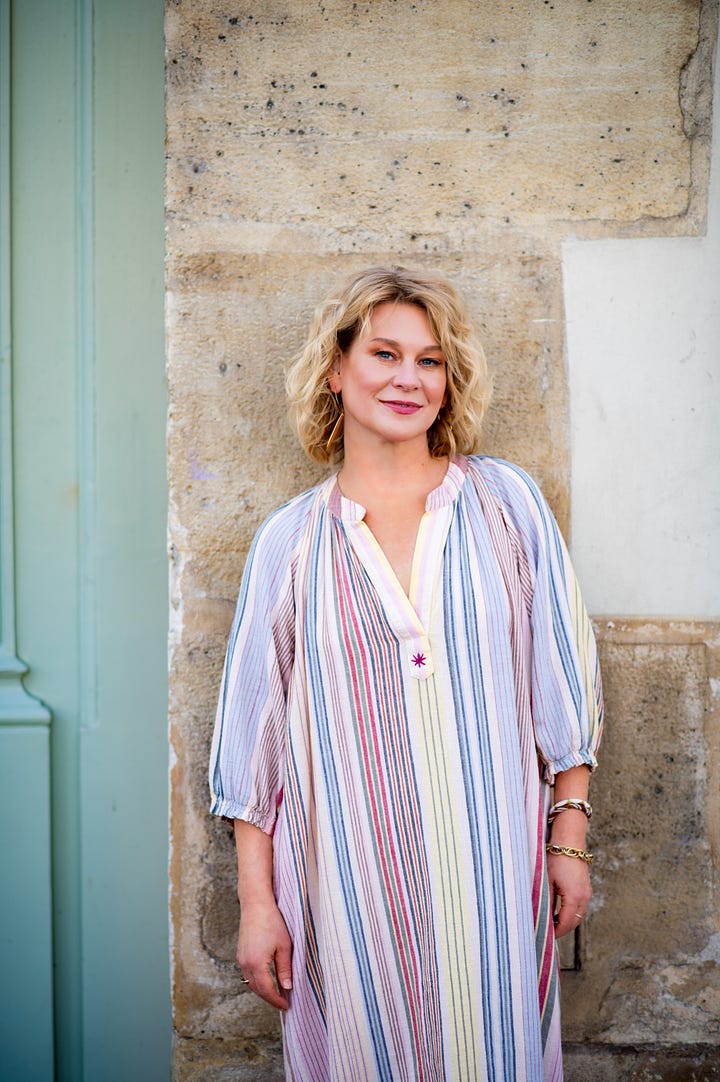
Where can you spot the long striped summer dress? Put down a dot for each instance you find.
(400, 750)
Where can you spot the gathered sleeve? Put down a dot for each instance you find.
(247, 759)
(566, 689)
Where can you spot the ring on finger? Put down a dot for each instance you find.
(580, 916)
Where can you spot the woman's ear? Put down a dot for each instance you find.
(334, 380)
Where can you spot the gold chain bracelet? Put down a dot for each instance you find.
(566, 851)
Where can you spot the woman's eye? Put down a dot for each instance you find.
(384, 354)
(430, 362)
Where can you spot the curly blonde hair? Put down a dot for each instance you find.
(314, 409)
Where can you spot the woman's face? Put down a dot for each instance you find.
(392, 379)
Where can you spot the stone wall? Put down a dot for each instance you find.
(308, 140)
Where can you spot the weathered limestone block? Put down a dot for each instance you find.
(651, 967)
(420, 122)
(227, 1061)
(245, 316)
(595, 1063)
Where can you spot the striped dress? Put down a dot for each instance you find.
(400, 750)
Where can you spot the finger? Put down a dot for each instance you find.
(567, 920)
(263, 983)
(283, 966)
(269, 989)
(258, 975)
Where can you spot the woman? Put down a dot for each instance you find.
(409, 672)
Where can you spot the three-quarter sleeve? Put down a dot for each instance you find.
(566, 690)
(248, 747)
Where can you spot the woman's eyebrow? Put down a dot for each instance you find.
(391, 342)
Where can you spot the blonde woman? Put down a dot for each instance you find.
(408, 719)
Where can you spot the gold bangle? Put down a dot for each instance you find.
(566, 851)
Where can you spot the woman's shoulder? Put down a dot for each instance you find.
(507, 481)
(281, 531)
(523, 505)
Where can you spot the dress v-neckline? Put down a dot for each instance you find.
(391, 577)
(409, 614)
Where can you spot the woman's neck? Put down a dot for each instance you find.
(396, 471)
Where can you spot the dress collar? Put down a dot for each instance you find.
(445, 493)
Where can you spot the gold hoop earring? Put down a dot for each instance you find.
(335, 430)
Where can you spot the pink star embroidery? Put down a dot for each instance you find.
(418, 659)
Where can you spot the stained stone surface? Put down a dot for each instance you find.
(651, 948)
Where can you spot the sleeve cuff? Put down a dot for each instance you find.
(581, 757)
(231, 809)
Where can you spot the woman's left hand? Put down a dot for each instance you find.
(570, 890)
(569, 877)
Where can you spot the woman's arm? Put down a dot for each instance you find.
(570, 876)
(264, 945)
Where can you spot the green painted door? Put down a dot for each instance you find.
(83, 748)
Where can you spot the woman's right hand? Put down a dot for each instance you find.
(264, 952)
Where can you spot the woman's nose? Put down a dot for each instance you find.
(405, 374)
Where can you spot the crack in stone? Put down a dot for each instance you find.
(696, 77)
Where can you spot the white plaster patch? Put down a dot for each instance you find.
(643, 342)
(711, 953)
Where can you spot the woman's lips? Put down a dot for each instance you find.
(401, 407)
